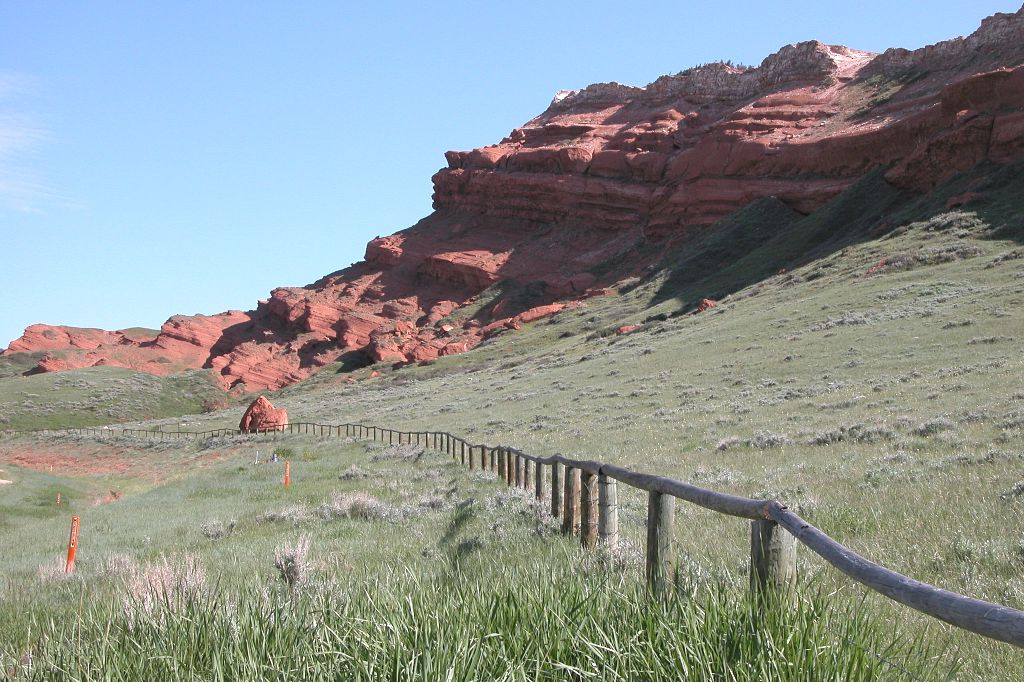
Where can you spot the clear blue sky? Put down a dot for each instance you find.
(188, 156)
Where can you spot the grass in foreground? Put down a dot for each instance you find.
(491, 620)
(386, 563)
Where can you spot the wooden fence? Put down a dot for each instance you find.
(584, 495)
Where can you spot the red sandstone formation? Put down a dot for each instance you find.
(263, 416)
(604, 170)
(705, 304)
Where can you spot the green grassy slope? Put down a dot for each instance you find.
(414, 569)
(885, 403)
(875, 385)
(101, 395)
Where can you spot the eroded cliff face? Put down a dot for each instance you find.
(576, 197)
(808, 122)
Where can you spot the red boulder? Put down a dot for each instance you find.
(705, 304)
(263, 416)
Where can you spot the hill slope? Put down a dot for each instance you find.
(875, 386)
(594, 189)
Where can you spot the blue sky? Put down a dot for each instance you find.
(187, 157)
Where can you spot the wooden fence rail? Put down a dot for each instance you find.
(584, 495)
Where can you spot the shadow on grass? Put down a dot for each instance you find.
(767, 237)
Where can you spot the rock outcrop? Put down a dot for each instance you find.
(572, 200)
(263, 416)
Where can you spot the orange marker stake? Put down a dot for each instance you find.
(287, 474)
(72, 546)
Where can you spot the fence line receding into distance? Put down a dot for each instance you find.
(583, 494)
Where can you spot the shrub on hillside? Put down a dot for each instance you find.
(167, 582)
(292, 562)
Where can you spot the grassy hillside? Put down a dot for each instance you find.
(379, 562)
(101, 395)
(864, 365)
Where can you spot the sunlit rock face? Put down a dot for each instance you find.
(602, 171)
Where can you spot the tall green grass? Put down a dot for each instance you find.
(487, 621)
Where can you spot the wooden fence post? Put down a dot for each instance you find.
(772, 559)
(483, 457)
(608, 510)
(493, 455)
(528, 475)
(500, 454)
(588, 510)
(519, 470)
(510, 468)
(538, 481)
(660, 522)
(571, 512)
(463, 449)
(556, 489)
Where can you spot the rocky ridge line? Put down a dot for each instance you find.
(557, 210)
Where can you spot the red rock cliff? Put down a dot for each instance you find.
(603, 170)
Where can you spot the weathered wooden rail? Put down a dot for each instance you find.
(584, 495)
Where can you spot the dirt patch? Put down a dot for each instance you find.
(112, 496)
(101, 459)
(68, 462)
(216, 455)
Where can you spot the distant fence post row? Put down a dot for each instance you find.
(584, 496)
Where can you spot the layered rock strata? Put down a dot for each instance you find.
(566, 203)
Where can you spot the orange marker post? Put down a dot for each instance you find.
(72, 546)
(287, 473)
